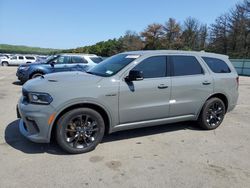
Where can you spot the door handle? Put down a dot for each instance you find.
(206, 83)
(162, 86)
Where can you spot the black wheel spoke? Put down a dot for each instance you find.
(76, 141)
(70, 130)
(86, 120)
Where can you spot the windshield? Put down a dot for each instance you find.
(112, 65)
(51, 58)
(96, 59)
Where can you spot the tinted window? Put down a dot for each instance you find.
(62, 60)
(13, 57)
(112, 65)
(96, 59)
(216, 65)
(185, 65)
(30, 57)
(20, 57)
(77, 59)
(153, 67)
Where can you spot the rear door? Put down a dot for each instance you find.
(78, 63)
(191, 85)
(147, 99)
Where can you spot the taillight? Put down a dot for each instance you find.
(237, 81)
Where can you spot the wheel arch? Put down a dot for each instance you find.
(4, 61)
(98, 108)
(221, 96)
(34, 72)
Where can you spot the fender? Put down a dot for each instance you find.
(76, 101)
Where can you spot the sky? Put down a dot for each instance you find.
(72, 23)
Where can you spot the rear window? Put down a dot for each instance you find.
(217, 65)
(96, 59)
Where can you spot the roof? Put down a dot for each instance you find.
(154, 52)
(77, 54)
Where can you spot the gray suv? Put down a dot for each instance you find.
(126, 91)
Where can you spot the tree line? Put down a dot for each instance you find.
(6, 48)
(229, 34)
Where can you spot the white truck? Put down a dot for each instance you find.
(18, 60)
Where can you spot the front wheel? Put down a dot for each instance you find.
(212, 114)
(80, 130)
(5, 63)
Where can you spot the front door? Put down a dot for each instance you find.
(147, 99)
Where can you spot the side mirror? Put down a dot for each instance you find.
(134, 75)
(52, 64)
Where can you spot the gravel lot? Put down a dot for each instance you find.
(175, 155)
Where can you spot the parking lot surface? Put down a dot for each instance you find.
(175, 155)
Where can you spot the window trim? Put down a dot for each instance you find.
(167, 71)
(172, 66)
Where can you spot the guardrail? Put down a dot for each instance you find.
(242, 66)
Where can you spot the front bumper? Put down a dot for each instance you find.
(34, 121)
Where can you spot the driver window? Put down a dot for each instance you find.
(153, 67)
(13, 57)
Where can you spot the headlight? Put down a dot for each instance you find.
(39, 98)
(24, 68)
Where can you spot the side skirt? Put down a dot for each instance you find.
(155, 122)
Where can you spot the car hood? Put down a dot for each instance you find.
(61, 81)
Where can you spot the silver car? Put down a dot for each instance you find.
(127, 91)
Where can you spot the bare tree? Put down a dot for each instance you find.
(131, 41)
(172, 35)
(152, 36)
(219, 35)
(190, 33)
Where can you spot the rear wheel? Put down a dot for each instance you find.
(212, 114)
(80, 130)
(5, 63)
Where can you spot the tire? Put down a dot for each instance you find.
(75, 133)
(5, 63)
(212, 114)
(36, 74)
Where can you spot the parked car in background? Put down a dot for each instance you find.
(18, 60)
(125, 91)
(3, 56)
(57, 63)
